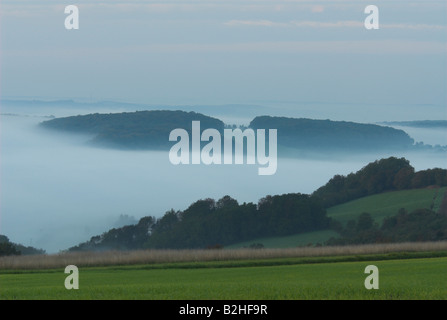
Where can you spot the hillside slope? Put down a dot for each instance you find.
(387, 204)
(380, 206)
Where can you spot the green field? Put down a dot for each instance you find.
(387, 204)
(398, 279)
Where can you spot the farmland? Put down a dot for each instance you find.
(399, 279)
(404, 274)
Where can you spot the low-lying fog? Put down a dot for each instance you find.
(56, 192)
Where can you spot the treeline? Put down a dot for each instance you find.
(8, 248)
(418, 225)
(209, 223)
(383, 175)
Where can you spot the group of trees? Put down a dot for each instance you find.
(210, 223)
(8, 248)
(418, 225)
(379, 176)
(123, 238)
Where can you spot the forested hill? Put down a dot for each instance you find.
(150, 130)
(208, 223)
(133, 130)
(327, 135)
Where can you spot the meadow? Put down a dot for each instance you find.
(388, 204)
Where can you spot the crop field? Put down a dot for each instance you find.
(398, 279)
(402, 275)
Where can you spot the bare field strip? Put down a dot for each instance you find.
(109, 258)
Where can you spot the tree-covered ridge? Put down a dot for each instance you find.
(379, 176)
(211, 223)
(133, 130)
(327, 135)
(150, 130)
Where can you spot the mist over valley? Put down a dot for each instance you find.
(57, 190)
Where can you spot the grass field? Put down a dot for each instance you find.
(387, 204)
(398, 279)
(406, 271)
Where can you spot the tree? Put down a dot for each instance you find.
(402, 180)
(226, 202)
(8, 249)
(364, 222)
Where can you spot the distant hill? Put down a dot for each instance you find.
(133, 130)
(150, 130)
(327, 135)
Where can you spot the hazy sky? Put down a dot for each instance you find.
(229, 51)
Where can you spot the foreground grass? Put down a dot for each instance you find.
(398, 279)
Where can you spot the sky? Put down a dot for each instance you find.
(218, 52)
